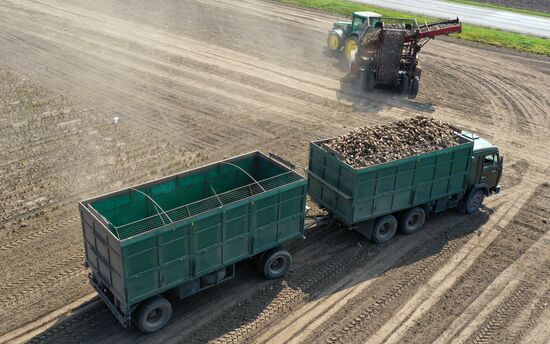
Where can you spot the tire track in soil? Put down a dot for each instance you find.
(511, 243)
(504, 314)
(11, 300)
(443, 279)
(521, 274)
(43, 274)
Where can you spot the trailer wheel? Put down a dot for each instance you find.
(404, 85)
(412, 220)
(363, 80)
(371, 81)
(474, 201)
(384, 229)
(153, 314)
(276, 263)
(415, 85)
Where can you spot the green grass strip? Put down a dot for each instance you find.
(504, 8)
(474, 33)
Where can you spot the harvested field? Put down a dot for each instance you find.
(193, 82)
(393, 141)
(533, 5)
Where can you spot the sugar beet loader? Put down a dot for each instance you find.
(387, 53)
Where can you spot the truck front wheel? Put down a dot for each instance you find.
(153, 314)
(384, 229)
(276, 263)
(412, 220)
(474, 201)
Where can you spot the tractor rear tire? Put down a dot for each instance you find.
(335, 40)
(153, 314)
(412, 220)
(404, 85)
(384, 229)
(415, 85)
(350, 47)
(276, 263)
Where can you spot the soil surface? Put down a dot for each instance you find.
(533, 5)
(196, 81)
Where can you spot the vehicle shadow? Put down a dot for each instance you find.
(330, 259)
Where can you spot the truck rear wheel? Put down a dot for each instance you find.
(384, 229)
(474, 201)
(153, 314)
(412, 220)
(276, 263)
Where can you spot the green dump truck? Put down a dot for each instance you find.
(377, 200)
(184, 233)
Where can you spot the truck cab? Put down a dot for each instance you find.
(485, 172)
(344, 35)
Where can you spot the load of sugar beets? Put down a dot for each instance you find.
(377, 144)
(185, 233)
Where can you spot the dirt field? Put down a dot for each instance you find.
(533, 5)
(195, 81)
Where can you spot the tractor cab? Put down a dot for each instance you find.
(486, 167)
(344, 35)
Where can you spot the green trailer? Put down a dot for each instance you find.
(377, 200)
(184, 233)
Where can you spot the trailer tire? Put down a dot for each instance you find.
(384, 229)
(363, 80)
(371, 81)
(474, 201)
(153, 314)
(412, 220)
(404, 85)
(415, 85)
(276, 263)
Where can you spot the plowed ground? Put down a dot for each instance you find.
(195, 81)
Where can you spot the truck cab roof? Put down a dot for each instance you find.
(367, 14)
(480, 145)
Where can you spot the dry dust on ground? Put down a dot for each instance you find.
(195, 81)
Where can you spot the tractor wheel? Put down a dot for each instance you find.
(412, 220)
(384, 229)
(334, 41)
(276, 263)
(153, 314)
(415, 85)
(404, 85)
(350, 47)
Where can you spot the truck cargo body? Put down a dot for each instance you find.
(167, 234)
(357, 195)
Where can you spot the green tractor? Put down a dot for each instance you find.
(344, 35)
